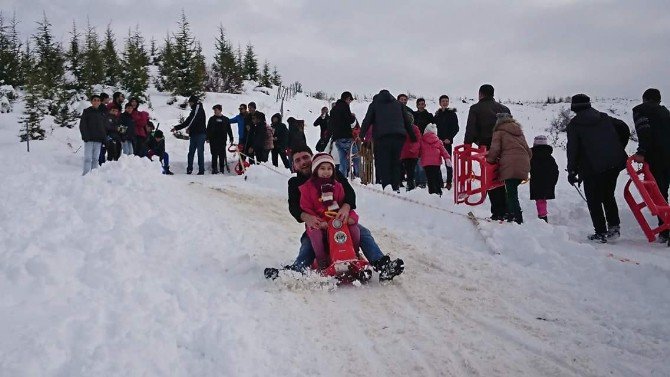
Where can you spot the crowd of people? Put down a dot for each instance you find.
(410, 147)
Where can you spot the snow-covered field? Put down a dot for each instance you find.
(129, 272)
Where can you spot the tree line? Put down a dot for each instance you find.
(54, 75)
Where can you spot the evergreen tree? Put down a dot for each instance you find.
(226, 75)
(135, 75)
(166, 66)
(110, 59)
(153, 52)
(73, 58)
(93, 70)
(34, 110)
(48, 62)
(10, 53)
(189, 68)
(266, 78)
(276, 77)
(250, 64)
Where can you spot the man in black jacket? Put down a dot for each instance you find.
(341, 120)
(322, 122)
(652, 123)
(479, 130)
(93, 133)
(280, 140)
(197, 134)
(127, 129)
(392, 125)
(596, 156)
(446, 121)
(302, 165)
(218, 132)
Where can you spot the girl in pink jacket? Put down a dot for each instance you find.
(320, 194)
(432, 153)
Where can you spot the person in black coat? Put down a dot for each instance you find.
(446, 121)
(340, 127)
(422, 117)
(93, 133)
(543, 175)
(322, 122)
(113, 142)
(127, 129)
(197, 132)
(280, 138)
(258, 138)
(218, 132)
(596, 155)
(652, 123)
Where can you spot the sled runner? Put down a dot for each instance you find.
(366, 164)
(646, 185)
(470, 187)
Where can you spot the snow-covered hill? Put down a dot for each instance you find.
(129, 272)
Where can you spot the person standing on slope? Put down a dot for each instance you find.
(446, 121)
(197, 132)
(92, 128)
(341, 121)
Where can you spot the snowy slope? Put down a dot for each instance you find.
(128, 272)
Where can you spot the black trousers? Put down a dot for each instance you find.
(113, 150)
(409, 166)
(450, 170)
(662, 176)
(599, 192)
(218, 157)
(434, 177)
(279, 152)
(387, 160)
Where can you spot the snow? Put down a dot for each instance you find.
(129, 272)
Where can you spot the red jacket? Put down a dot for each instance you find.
(433, 151)
(411, 149)
(141, 119)
(310, 199)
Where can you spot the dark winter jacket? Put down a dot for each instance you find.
(218, 131)
(341, 119)
(195, 121)
(294, 193)
(481, 120)
(280, 132)
(112, 127)
(594, 146)
(296, 135)
(422, 119)
(92, 125)
(322, 122)
(447, 124)
(543, 173)
(155, 147)
(652, 123)
(128, 126)
(259, 135)
(388, 116)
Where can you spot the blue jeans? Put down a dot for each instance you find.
(91, 155)
(196, 142)
(356, 161)
(165, 159)
(420, 174)
(127, 147)
(343, 148)
(306, 254)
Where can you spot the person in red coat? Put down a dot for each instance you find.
(432, 153)
(141, 119)
(409, 155)
(320, 194)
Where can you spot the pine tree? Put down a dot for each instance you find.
(110, 59)
(189, 64)
(135, 75)
(34, 110)
(49, 65)
(276, 77)
(266, 78)
(93, 70)
(250, 64)
(225, 75)
(73, 58)
(153, 52)
(10, 53)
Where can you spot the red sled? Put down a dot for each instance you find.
(646, 185)
(241, 165)
(473, 175)
(345, 264)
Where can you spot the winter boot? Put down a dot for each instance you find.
(201, 173)
(543, 218)
(663, 238)
(215, 171)
(509, 217)
(518, 217)
(613, 233)
(448, 186)
(166, 171)
(387, 268)
(189, 171)
(410, 186)
(598, 237)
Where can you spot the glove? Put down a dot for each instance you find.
(573, 178)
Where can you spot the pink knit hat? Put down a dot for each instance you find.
(319, 159)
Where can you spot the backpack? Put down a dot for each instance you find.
(269, 143)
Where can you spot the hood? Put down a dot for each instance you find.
(430, 138)
(276, 116)
(384, 96)
(510, 126)
(542, 150)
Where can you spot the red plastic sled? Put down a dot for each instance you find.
(470, 188)
(646, 185)
(345, 264)
(241, 165)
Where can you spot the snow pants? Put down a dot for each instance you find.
(599, 192)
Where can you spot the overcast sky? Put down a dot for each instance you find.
(526, 48)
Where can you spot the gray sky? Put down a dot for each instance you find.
(526, 48)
